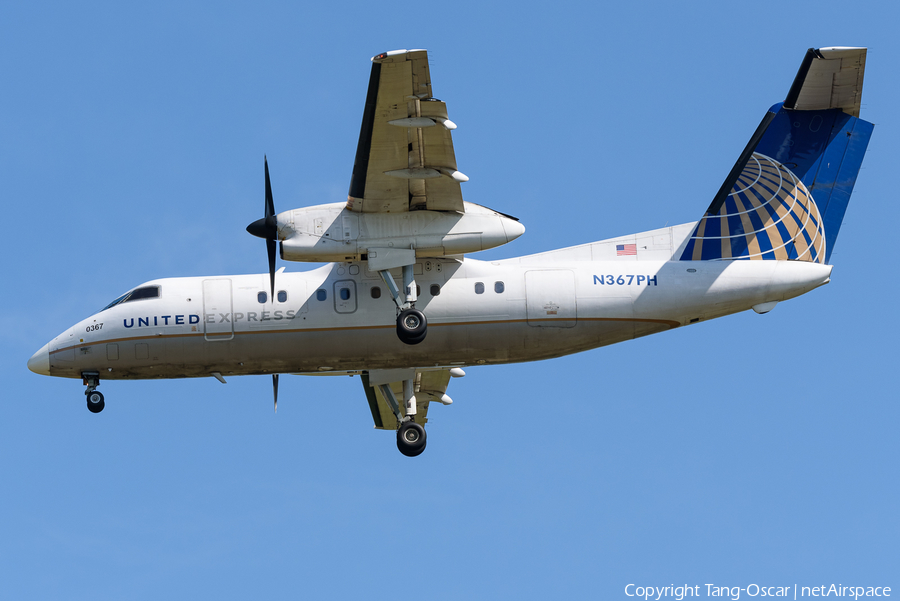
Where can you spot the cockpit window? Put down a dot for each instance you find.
(136, 294)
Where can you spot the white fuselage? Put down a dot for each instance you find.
(485, 313)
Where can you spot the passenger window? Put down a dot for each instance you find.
(435, 290)
(345, 294)
(376, 292)
(282, 296)
(262, 297)
(479, 287)
(321, 294)
(499, 287)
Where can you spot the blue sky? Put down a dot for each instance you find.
(751, 449)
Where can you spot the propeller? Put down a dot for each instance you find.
(267, 228)
(275, 389)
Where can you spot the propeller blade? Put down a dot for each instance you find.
(267, 228)
(270, 204)
(270, 248)
(275, 388)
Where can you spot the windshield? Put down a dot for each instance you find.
(136, 294)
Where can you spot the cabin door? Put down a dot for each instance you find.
(550, 298)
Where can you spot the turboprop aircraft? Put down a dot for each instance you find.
(766, 237)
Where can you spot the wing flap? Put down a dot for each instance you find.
(441, 194)
(430, 385)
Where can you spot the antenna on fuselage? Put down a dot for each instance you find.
(275, 389)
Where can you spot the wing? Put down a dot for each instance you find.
(405, 157)
(430, 385)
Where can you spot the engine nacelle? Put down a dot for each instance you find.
(331, 232)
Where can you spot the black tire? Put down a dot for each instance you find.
(411, 326)
(417, 339)
(95, 402)
(411, 439)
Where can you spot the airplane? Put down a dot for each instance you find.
(400, 304)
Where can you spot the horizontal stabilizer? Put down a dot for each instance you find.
(829, 78)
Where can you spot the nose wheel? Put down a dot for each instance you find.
(95, 402)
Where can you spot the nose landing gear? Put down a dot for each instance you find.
(95, 402)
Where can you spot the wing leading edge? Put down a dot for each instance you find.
(404, 159)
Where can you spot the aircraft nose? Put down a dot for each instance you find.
(40, 361)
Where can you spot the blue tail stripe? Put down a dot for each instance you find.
(756, 221)
(713, 227)
(689, 248)
(765, 245)
(739, 247)
(711, 249)
(792, 251)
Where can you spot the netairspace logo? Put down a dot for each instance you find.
(754, 590)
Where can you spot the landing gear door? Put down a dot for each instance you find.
(217, 314)
(550, 298)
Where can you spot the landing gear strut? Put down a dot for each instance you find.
(411, 323)
(95, 403)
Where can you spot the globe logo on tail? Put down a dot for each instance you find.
(769, 214)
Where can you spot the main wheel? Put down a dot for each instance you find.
(95, 403)
(411, 326)
(411, 438)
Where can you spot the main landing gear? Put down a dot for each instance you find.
(95, 403)
(410, 435)
(411, 323)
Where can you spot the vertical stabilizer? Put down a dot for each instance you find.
(786, 196)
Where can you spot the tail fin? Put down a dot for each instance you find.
(786, 196)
